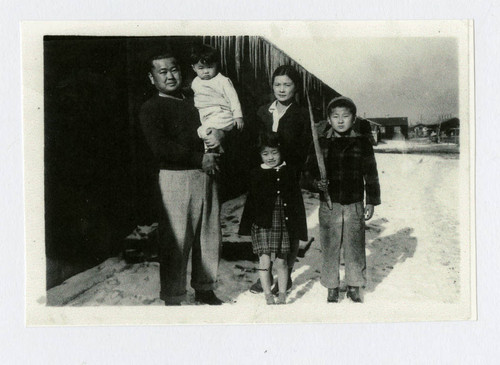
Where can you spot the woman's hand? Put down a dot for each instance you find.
(369, 209)
(321, 184)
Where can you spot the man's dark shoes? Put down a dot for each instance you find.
(173, 301)
(207, 297)
(333, 295)
(353, 293)
(174, 304)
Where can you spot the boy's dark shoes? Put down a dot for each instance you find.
(353, 293)
(333, 295)
(207, 297)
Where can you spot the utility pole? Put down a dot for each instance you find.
(439, 129)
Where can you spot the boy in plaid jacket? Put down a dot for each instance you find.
(351, 172)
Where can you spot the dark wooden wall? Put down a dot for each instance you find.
(100, 181)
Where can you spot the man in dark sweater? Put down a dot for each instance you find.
(189, 193)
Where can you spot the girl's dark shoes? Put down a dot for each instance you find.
(333, 295)
(281, 298)
(207, 297)
(270, 299)
(353, 293)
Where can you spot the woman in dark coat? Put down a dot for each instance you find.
(287, 118)
(292, 124)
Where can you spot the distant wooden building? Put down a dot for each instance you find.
(421, 130)
(392, 128)
(450, 127)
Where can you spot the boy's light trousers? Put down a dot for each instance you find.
(342, 226)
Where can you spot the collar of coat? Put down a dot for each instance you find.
(292, 108)
(266, 167)
(330, 134)
(325, 130)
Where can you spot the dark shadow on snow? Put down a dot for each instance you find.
(385, 253)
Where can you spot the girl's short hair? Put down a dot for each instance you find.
(269, 139)
(205, 54)
(291, 72)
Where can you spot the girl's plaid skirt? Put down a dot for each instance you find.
(274, 239)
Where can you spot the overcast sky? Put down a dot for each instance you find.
(399, 77)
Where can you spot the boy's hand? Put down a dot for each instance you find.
(369, 209)
(321, 185)
(209, 163)
(214, 137)
(238, 122)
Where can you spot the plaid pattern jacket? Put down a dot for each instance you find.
(350, 166)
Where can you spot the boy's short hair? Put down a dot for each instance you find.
(268, 139)
(205, 54)
(341, 102)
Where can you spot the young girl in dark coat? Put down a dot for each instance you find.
(274, 214)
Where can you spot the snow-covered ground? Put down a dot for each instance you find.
(413, 253)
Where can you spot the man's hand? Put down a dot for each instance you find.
(214, 137)
(369, 209)
(239, 123)
(209, 163)
(321, 184)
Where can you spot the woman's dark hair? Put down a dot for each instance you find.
(268, 139)
(291, 72)
(205, 54)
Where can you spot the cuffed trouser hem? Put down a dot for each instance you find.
(358, 284)
(206, 286)
(330, 285)
(337, 284)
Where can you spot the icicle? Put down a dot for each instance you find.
(242, 47)
(237, 55)
(254, 60)
(304, 82)
(226, 51)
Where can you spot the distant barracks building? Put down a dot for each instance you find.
(391, 128)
